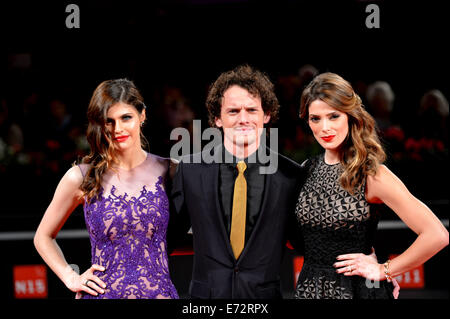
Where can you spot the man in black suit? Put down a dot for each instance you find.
(240, 214)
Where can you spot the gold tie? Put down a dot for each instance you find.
(237, 234)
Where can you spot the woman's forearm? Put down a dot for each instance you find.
(53, 256)
(423, 248)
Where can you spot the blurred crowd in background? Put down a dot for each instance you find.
(173, 50)
(42, 134)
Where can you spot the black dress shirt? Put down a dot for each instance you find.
(255, 190)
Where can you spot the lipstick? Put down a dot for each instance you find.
(328, 138)
(121, 139)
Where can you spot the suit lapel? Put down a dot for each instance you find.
(270, 198)
(210, 182)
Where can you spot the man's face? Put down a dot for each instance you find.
(242, 119)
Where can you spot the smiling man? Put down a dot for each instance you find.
(242, 119)
(239, 214)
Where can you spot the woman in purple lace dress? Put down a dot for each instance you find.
(122, 189)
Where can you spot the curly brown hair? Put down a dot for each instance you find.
(254, 81)
(361, 152)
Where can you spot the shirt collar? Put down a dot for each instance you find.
(250, 161)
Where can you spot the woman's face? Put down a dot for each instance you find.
(123, 122)
(329, 126)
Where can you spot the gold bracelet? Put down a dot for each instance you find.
(387, 272)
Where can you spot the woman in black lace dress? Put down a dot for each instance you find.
(334, 204)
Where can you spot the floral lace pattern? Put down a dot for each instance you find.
(128, 238)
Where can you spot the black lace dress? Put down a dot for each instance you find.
(333, 222)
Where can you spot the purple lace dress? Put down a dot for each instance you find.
(127, 223)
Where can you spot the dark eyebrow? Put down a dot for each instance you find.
(331, 113)
(228, 108)
(122, 115)
(235, 107)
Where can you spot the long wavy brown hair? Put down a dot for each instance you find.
(102, 153)
(361, 152)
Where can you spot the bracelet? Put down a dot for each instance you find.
(387, 272)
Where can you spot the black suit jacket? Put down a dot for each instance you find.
(216, 272)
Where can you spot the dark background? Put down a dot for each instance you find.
(173, 50)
